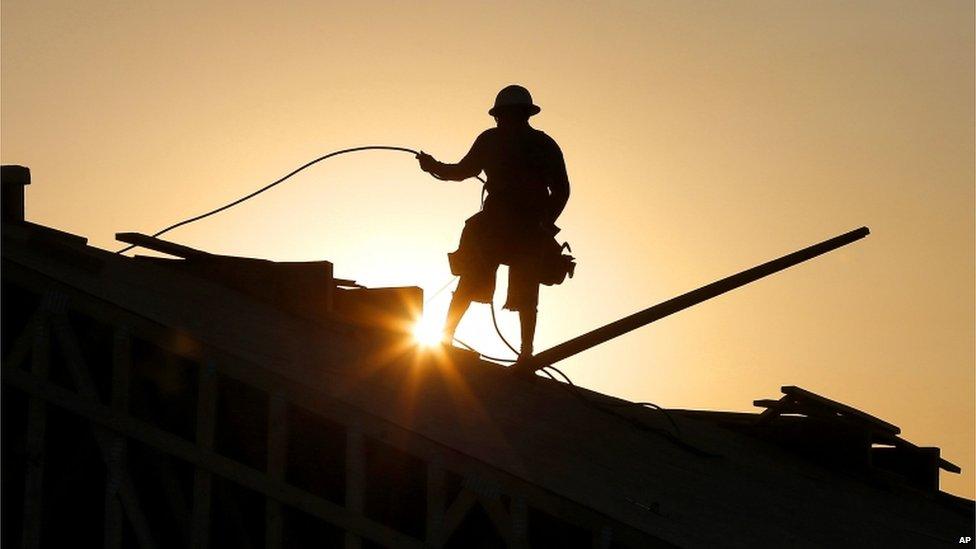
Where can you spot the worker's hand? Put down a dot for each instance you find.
(427, 162)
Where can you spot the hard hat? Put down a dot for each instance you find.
(514, 96)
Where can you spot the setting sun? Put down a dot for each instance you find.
(427, 332)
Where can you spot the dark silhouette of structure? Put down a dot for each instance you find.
(201, 400)
(527, 188)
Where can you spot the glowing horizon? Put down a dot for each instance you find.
(700, 139)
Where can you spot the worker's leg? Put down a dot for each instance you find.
(460, 302)
(523, 296)
(475, 285)
(527, 318)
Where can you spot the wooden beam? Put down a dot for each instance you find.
(520, 521)
(949, 466)
(489, 496)
(36, 427)
(23, 344)
(277, 453)
(172, 492)
(113, 502)
(355, 478)
(651, 314)
(121, 369)
(121, 364)
(603, 539)
(499, 517)
(202, 478)
(27, 231)
(800, 394)
(435, 498)
(215, 463)
(455, 514)
(774, 409)
(160, 245)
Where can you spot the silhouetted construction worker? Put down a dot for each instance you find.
(527, 188)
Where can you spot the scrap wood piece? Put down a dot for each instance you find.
(903, 444)
(159, 245)
(347, 283)
(799, 400)
(806, 397)
(949, 466)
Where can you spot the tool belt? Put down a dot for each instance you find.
(555, 265)
(486, 244)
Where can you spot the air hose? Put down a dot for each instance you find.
(278, 182)
(309, 164)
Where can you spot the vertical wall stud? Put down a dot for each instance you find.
(277, 454)
(603, 538)
(121, 364)
(520, 521)
(435, 498)
(355, 478)
(203, 479)
(36, 426)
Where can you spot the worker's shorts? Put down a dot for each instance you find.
(523, 289)
(487, 243)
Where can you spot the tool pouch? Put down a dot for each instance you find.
(483, 246)
(555, 265)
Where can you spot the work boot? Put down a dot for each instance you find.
(524, 366)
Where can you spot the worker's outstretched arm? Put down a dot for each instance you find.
(469, 166)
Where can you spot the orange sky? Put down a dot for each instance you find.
(700, 138)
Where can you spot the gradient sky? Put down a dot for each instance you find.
(701, 138)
